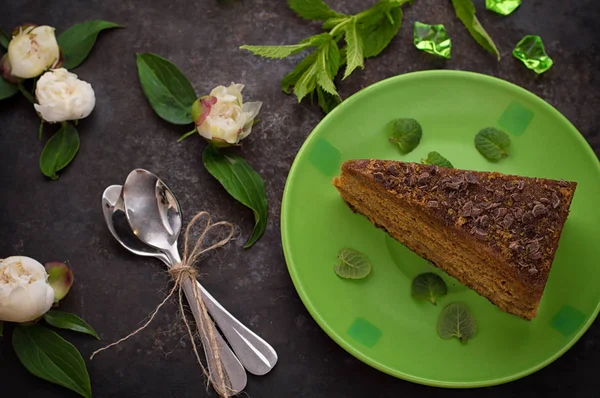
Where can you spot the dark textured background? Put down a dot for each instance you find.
(114, 290)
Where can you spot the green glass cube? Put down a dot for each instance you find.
(503, 7)
(530, 50)
(432, 39)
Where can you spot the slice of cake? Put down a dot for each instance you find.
(495, 233)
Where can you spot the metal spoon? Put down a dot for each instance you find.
(155, 216)
(114, 215)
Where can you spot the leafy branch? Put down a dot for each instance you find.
(348, 40)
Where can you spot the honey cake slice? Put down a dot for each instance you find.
(495, 233)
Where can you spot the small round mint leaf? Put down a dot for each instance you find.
(428, 286)
(492, 143)
(456, 320)
(352, 264)
(406, 133)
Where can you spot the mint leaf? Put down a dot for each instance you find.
(492, 143)
(7, 89)
(328, 63)
(169, 92)
(352, 264)
(60, 150)
(465, 11)
(320, 72)
(276, 51)
(64, 320)
(437, 159)
(243, 183)
(326, 101)
(378, 26)
(313, 9)
(292, 78)
(456, 320)
(428, 286)
(354, 50)
(48, 356)
(406, 133)
(77, 41)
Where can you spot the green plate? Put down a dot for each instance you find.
(376, 319)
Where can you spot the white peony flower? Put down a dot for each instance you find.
(25, 294)
(62, 96)
(32, 51)
(222, 117)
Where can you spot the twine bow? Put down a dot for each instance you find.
(182, 273)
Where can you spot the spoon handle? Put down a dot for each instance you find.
(257, 356)
(234, 369)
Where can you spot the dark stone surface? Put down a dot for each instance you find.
(115, 291)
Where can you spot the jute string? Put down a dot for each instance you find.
(186, 271)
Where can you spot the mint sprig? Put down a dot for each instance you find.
(348, 40)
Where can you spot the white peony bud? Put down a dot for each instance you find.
(25, 294)
(32, 51)
(62, 96)
(222, 117)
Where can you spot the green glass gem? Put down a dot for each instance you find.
(432, 39)
(530, 50)
(503, 7)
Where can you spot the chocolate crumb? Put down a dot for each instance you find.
(467, 209)
(424, 178)
(379, 177)
(563, 183)
(516, 197)
(514, 245)
(476, 211)
(555, 200)
(433, 188)
(518, 213)
(539, 210)
(434, 170)
(532, 271)
(433, 203)
(393, 170)
(507, 221)
(527, 217)
(499, 212)
(498, 196)
(545, 201)
(520, 185)
(483, 220)
(509, 186)
(471, 179)
(480, 233)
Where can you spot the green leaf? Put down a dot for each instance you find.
(378, 26)
(7, 89)
(456, 320)
(428, 286)
(465, 11)
(60, 150)
(48, 356)
(243, 183)
(64, 320)
(354, 52)
(328, 64)
(292, 78)
(169, 92)
(313, 9)
(276, 51)
(77, 41)
(352, 264)
(326, 101)
(437, 159)
(407, 134)
(492, 143)
(4, 39)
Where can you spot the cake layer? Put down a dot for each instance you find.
(500, 245)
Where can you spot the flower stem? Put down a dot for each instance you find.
(26, 93)
(186, 135)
